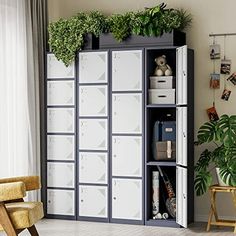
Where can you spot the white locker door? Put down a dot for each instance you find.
(182, 76)
(182, 138)
(181, 195)
(127, 113)
(60, 93)
(60, 120)
(127, 70)
(93, 168)
(61, 147)
(60, 175)
(61, 202)
(93, 100)
(93, 67)
(127, 199)
(57, 69)
(93, 201)
(127, 156)
(93, 134)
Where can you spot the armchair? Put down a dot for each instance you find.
(15, 214)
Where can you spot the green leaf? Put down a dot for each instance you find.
(203, 161)
(207, 132)
(202, 181)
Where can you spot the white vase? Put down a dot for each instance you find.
(220, 181)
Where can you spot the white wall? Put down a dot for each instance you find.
(212, 16)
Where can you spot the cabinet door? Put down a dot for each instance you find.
(127, 199)
(93, 67)
(127, 70)
(60, 120)
(181, 195)
(126, 156)
(182, 76)
(93, 168)
(127, 113)
(60, 93)
(93, 134)
(181, 137)
(93, 201)
(60, 175)
(60, 202)
(61, 147)
(56, 69)
(93, 101)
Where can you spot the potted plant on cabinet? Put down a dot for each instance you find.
(222, 157)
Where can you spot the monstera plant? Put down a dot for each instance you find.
(222, 135)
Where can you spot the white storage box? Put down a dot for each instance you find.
(161, 96)
(161, 82)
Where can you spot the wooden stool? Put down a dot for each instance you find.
(220, 222)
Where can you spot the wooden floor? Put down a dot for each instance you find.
(75, 228)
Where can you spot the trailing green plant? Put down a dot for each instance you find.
(222, 134)
(66, 36)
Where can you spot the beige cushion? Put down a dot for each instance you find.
(24, 214)
(12, 191)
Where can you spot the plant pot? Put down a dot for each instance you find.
(174, 38)
(220, 181)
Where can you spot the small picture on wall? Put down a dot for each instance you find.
(212, 114)
(232, 78)
(226, 94)
(225, 67)
(215, 51)
(215, 81)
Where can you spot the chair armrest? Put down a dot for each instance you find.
(31, 182)
(12, 191)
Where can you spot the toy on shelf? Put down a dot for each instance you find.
(162, 68)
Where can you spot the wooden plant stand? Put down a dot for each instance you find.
(220, 222)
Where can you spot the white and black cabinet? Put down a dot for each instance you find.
(165, 113)
(93, 133)
(127, 132)
(61, 139)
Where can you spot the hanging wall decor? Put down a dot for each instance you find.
(212, 114)
(226, 94)
(215, 51)
(232, 78)
(225, 67)
(215, 81)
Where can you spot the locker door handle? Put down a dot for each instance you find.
(184, 196)
(114, 198)
(184, 134)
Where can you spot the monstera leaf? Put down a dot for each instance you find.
(226, 130)
(207, 133)
(202, 181)
(203, 161)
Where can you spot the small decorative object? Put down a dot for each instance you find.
(222, 133)
(212, 114)
(225, 67)
(226, 94)
(232, 78)
(215, 81)
(162, 67)
(155, 190)
(165, 215)
(215, 51)
(158, 216)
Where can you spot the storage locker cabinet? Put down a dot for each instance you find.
(93, 201)
(127, 156)
(60, 93)
(61, 175)
(182, 138)
(127, 70)
(56, 69)
(182, 76)
(60, 120)
(93, 134)
(182, 196)
(93, 168)
(61, 147)
(61, 202)
(127, 113)
(93, 100)
(93, 67)
(127, 199)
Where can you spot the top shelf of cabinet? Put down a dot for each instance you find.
(161, 106)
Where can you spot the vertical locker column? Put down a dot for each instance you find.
(61, 139)
(127, 137)
(93, 136)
